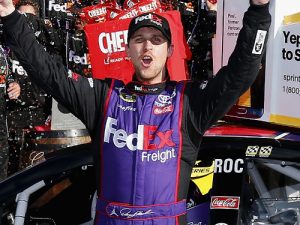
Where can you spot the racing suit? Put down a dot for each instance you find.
(146, 137)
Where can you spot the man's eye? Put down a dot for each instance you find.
(157, 40)
(139, 40)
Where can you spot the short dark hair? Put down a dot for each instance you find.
(32, 3)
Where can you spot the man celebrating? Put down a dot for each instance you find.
(146, 134)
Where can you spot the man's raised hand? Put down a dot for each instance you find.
(6, 7)
(260, 2)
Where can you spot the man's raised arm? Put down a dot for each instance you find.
(237, 76)
(79, 94)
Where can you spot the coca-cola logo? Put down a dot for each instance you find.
(225, 202)
(162, 110)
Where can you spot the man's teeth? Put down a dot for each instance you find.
(147, 58)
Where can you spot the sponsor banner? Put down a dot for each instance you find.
(107, 42)
(286, 81)
(226, 166)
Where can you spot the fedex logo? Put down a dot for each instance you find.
(57, 7)
(141, 18)
(77, 59)
(137, 141)
(112, 42)
(17, 68)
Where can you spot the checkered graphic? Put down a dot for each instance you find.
(265, 151)
(252, 150)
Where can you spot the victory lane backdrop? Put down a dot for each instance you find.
(106, 43)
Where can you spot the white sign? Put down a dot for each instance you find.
(285, 107)
(62, 119)
(282, 73)
(229, 24)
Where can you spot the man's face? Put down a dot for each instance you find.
(148, 50)
(27, 9)
(79, 24)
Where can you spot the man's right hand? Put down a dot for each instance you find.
(6, 7)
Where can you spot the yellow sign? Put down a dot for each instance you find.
(203, 177)
(285, 120)
(294, 18)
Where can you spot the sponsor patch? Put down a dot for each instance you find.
(140, 140)
(127, 213)
(158, 156)
(126, 97)
(145, 89)
(162, 110)
(225, 202)
(259, 42)
(265, 151)
(203, 84)
(91, 82)
(126, 108)
(163, 104)
(200, 171)
(252, 151)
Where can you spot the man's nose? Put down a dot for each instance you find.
(148, 45)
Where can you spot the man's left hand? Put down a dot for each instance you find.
(260, 2)
(13, 90)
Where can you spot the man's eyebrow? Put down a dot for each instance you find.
(159, 35)
(136, 35)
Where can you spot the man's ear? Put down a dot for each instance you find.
(170, 50)
(127, 50)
